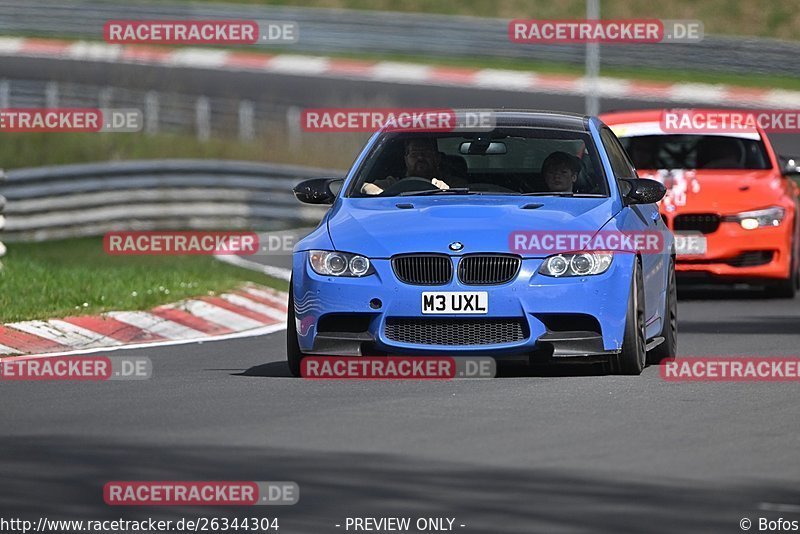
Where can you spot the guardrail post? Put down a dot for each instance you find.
(2, 216)
(5, 94)
(202, 116)
(592, 102)
(104, 97)
(151, 112)
(247, 123)
(51, 95)
(295, 133)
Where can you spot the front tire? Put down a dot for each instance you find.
(669, 347)
(631, 359)
(294, 356)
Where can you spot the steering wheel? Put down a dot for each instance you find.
(409, 183)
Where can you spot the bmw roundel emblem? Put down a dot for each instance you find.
(456, 245)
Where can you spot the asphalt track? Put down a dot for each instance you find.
(548, 451)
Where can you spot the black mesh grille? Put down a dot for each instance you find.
(487, 269)
(706, 223)
(423, 270)
(455, 331)
(751, 259)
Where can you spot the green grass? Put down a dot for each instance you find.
(36, 149)
(76, 277)
(41, 148)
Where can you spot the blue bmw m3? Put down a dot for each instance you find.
(499, 242)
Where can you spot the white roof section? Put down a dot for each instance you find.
(639, 129)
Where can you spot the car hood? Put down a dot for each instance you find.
(382, 227)
(716, 191)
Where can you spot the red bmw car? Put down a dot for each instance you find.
(730, 201)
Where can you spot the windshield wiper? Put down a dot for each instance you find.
(454, 190)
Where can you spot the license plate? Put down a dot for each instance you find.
(456, 302)
(690, 244)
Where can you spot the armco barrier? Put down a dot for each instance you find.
(91, 199)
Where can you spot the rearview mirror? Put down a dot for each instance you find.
(643, 191)
(316, 190)
(476, 148)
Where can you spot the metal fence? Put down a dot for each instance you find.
(168, 112)
(331, 30)
(91, 199)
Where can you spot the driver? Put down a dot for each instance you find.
(560, 171)
(422, 160)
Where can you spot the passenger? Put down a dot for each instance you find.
(560, 171)
(719, 153)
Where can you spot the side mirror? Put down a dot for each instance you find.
(790, 165)
(643, 191)
(316, 190)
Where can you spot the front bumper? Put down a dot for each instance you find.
(734, 254)
(560, 317)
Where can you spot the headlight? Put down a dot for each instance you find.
(750, 220)
(331, 263)
(582, 264)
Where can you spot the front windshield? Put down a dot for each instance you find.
(695, 152)
(501, 162)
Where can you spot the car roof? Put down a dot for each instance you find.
(648, 122)
(527, 118)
